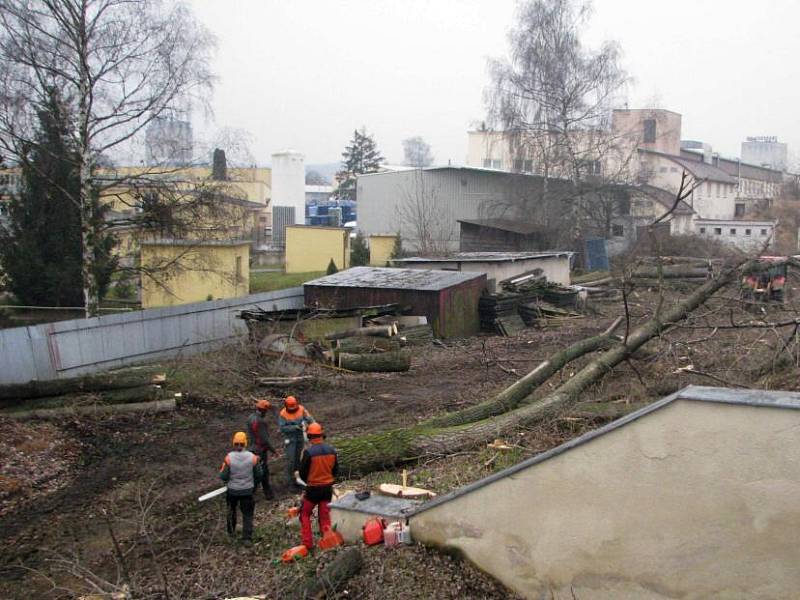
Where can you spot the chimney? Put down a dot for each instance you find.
(219, 170)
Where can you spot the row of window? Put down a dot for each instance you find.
(718, 231)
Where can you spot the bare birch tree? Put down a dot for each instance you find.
(120, 65)
(553, 97)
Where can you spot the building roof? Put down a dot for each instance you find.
(399, 279)
(737, 168)
(717, 395)
(699, 170)
(509, 225)
(735, 222)
(195, 243)
(484, 257)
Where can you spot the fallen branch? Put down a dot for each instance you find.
(377, 330)
(95, 409)
(346, 564)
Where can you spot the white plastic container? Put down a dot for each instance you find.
(404, 534)
(390, 534)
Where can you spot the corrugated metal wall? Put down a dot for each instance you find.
(79, 346)
(282, 216)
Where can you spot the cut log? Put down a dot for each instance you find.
(377, 330)
(347, 563)
(112, 380)
(376, 363)
(124, 396)
(377, 451)
(670, 272)
(417, 335)
(365, 345)
(400, 491)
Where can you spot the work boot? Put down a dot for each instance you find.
(247, 542)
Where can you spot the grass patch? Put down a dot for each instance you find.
(267, 282)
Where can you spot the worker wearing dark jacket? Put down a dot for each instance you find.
(259, 444)
(241, 472)
(292, 421)
(318, 468)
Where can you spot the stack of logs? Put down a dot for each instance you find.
(376, 348)
(675, 270)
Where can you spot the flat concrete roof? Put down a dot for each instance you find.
(397, 279)
(718, 395)
(484, 257)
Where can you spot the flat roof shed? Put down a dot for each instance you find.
(449, 299)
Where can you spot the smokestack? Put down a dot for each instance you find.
(219, 170)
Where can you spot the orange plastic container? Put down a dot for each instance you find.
(373, 531)
(330, 539)
(295, 553)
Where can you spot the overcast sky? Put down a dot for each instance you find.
(303, 74)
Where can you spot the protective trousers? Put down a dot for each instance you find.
(262, 455)
(247, 506)
(324, 516)
(293, 450)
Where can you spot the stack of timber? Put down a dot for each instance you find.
(598, 285)
(135, 389)
(541, 313)
(675, 270)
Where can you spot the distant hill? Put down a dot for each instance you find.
(327, 170)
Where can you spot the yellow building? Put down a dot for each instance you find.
(188, 271)
(381, 247)
(311, 248)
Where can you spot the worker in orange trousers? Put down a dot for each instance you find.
(319, 466)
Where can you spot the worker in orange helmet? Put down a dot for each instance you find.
(292, 421)
(318, 468)
(241, 473)
(259, 444)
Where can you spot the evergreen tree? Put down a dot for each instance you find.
(40, 246)
(359, 253)
(361, 156)
(331, 268)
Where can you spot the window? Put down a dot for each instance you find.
(518, 165)
(739, 209)
(649, 131)
(617, 230)
(673, 169)
(702, 230)
(717, 230)
(527, 166)
(763, 232)
(662, 170)
(496, 164)
(748, 231)
(733, 232)
(487, 163)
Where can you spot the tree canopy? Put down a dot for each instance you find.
(360, 156)
(417, 152)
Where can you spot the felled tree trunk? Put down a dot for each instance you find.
(376, 363)
(678, 272)
(346, 564)
(371, 452)
(113, 380)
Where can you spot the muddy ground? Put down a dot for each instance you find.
(87, 504)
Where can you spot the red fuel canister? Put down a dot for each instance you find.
(373, 531)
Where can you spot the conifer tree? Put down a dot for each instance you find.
(359, 252)
(40, 246)
(359, 157)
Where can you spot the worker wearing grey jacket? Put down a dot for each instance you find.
(241, 472)
(292, 421)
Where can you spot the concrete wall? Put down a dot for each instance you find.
(79, 346)
(208, 272)
(747, 235)
(629, 123)
(380, 249)
(310, 248)
(556, 269)
(693, 500)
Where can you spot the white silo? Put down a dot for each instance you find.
(289, 183)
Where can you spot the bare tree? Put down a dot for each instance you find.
(120, 65)
(417, 152)
(423, 222)
(553, 97)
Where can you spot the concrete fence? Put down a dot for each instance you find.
(79, 346)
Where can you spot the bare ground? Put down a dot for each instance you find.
(69, 488)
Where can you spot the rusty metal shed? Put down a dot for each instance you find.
(449, 299)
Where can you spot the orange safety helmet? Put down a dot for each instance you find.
(314, 430)
(263, 404)
(291, 403)
(240, 437)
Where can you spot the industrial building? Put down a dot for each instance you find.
(449, 299)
